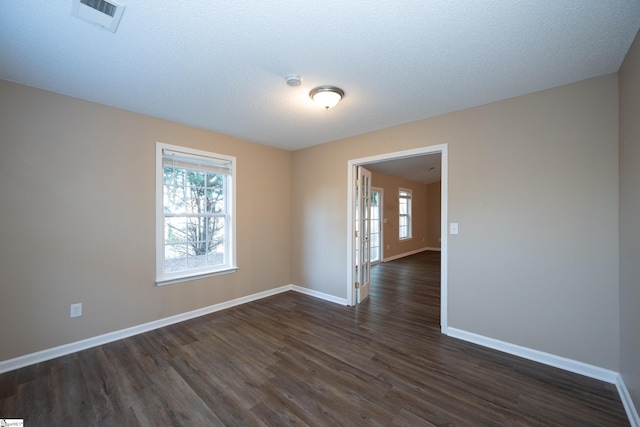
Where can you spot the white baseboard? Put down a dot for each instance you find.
(570, 365)
(63, 350)
(404, 254)
(537, 356)
(320, 295)
(629, 407)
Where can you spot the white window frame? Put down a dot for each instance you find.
(406, 194)
(230, 266)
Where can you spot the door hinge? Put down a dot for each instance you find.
(357, 285)
(355, 234)
(357, 182)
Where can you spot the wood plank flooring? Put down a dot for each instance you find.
(295, 360)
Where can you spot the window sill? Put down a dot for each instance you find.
(195, 276)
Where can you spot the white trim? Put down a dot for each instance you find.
(319, 295)
(443, 149)
(570, 365)
(564, 363)
(63, 350)
(196, 276)
(629, 407)
(444, 240)
(405, 254)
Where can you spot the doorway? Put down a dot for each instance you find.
(352, 262)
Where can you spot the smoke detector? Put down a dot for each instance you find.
(104, 14)
(294, 79)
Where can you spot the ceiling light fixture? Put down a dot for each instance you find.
(326, 96)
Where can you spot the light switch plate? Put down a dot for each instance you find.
(453, 228)
(76, 310)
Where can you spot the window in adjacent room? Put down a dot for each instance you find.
(404, 210)
(195, 219)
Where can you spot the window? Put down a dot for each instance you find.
(404, 211)
(195, 223)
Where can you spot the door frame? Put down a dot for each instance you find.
(444, 176)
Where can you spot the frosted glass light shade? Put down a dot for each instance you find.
(326, 96)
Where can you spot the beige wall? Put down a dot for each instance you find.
(533, 183)
(629, 90)
(433, 215)
(77, 220)
(393, 246)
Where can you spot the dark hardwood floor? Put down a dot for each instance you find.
(295, 360)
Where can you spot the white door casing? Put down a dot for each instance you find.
(352, 261)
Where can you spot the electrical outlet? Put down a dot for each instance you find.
(76, 310)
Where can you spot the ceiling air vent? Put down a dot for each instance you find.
(105, 14)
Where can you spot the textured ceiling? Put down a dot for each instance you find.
(425, 169)
(221, 65)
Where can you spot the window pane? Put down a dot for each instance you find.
(173, 176)
(215, 193)
(196, 260)
(175, 258)
(375, 239)
(194, 199)
(194, 243)
(174, 199)
(175, 231)
(202, 232)
(216, 255)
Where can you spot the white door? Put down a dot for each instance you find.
(363, 233)
(376, 225)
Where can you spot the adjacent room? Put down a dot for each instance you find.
(185, 238)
